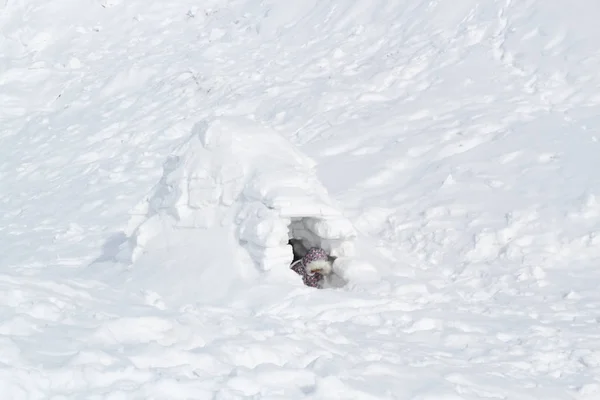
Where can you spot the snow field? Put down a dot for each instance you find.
(453, 144)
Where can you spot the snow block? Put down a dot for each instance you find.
(235, 171)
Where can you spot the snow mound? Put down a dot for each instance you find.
(238, 178)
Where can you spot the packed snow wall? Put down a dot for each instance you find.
(235, 178)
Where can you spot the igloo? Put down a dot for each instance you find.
(233, 173)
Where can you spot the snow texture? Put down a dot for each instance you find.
(155, 158)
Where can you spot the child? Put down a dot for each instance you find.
(313, 267)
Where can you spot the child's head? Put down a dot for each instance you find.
(316, 261)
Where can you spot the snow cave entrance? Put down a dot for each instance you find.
(301, 238)
(307, 232)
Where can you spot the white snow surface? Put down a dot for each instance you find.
(155, 156)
